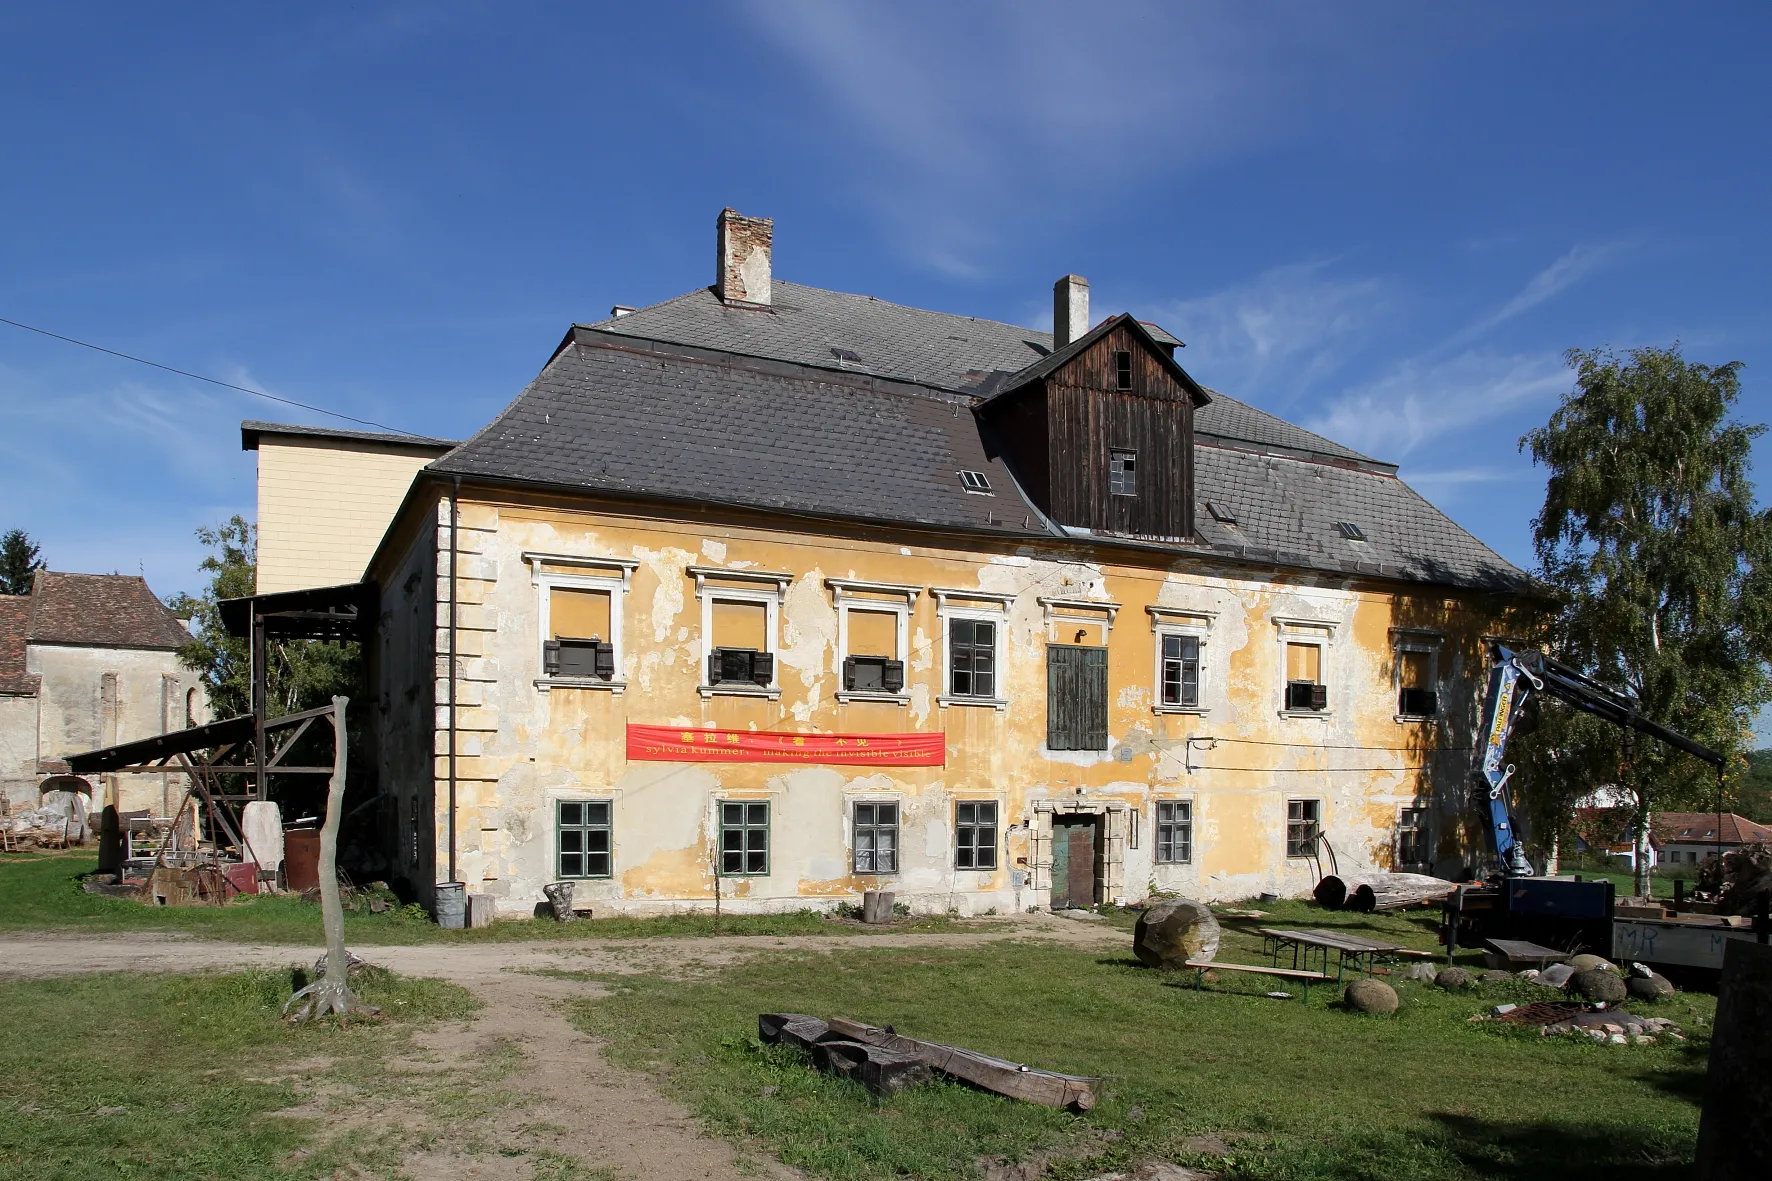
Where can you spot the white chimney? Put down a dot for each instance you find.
(745, 243)
(1070, 310)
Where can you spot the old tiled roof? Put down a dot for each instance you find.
(15, 618)
(857, 333)
(101, 611)
(1701, 828)
(623, 417)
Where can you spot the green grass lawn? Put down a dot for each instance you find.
(41, 892)
(1290, 1090)
(175, 1077)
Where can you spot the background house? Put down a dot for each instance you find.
(86, 661)
(1687, 838)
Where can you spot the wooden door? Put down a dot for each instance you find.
(1073, 862)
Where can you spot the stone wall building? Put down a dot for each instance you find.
(771, 594)
(87, 661)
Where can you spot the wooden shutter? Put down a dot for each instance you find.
(1076, 697)
(762, 667)
(893, 677)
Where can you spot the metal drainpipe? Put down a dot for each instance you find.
(454, 525)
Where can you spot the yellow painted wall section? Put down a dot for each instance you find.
(323, 505)
(1239, 756)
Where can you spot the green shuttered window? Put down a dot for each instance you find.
(1076, 697)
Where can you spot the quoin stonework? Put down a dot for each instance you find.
(768, 595)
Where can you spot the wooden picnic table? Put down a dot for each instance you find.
(1320, 943)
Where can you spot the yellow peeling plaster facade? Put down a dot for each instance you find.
(1239, 759)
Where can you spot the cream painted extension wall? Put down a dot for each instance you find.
(324, 503)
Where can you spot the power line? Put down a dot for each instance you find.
(199, 377)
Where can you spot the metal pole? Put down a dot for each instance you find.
(454, 525)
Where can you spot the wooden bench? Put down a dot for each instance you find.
(1201, 967)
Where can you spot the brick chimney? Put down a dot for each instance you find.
(743, 277)
(1070, 310)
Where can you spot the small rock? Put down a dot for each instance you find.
(768, 1091)
(1617, 1039)
(1587, 962)
(1597, 984)
(1653, 987)
(1135, 1114)
(111, 1111)
(1641, 1039)
(1495, 976)
(1673, 1035)
(1528, 974)
(1642, 970)
(1371, 996)
(1453, 978)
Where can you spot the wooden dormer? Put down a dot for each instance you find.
(1101, 433)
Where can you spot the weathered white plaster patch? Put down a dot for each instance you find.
(715, 551)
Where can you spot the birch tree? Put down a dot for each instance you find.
(1651, 533)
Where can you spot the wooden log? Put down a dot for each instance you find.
(1395, 891)
(998, 1075)
(790, 1029)
(1331, 892)
(880, 1070)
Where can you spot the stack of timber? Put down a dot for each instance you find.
(883, 1061)
(1382, 891)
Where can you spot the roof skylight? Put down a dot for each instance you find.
(976, 482)
(1351, 531)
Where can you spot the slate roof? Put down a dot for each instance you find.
(101, 611)
(15, 617)
(618, 417)
(782, 438)
(1701, 828)
(961, 354)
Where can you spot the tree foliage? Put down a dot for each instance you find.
(20, 559)
(300, 674)
(1663, 561)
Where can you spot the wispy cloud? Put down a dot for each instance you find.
(1420, 401)
(1578, 263)
(1269, 337)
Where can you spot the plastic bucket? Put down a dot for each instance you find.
(452, 905)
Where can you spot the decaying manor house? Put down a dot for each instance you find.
(773, 594)
(91, 660)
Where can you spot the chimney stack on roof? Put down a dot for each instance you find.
(745, 244)
(1070, 310)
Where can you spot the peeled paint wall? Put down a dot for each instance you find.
(521, 748)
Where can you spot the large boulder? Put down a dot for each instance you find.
(1174, 931)
(1452, 979)
(1654, 987)
(1597, 984)
(1371, 996)
(1587, 962)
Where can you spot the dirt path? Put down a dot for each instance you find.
(568, 1098)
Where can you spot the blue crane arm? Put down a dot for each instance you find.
(1513, 678)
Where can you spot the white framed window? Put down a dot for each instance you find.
(1178, 678)
(874, 825)
(1416, 674)
(1175, 832)
(740, 620)
(972, 647)
(1305, 682)
(873, 639)
(580, 602)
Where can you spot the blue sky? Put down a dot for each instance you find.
(1386, 222)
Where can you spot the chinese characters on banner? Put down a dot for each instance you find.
(683, 744)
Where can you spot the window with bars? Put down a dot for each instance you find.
(744, 838)
(582, 838)
(876, 837)
(1181, 670)
(972, 658)
(975, 834)
(1123, 472)
(1175, 832)
(1412, 845)
(1303, 822)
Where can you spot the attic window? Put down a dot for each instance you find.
(1221, 513)
(976, 482)
(1351, 531)
(1122, 370)
(846, 356)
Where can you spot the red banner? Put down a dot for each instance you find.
(683, 744)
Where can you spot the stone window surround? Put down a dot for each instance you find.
(1414, 639)
(1179, 621)
(849, 594)
(1293, 629)
(771, 600)
(998, 614)
(614, 575)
